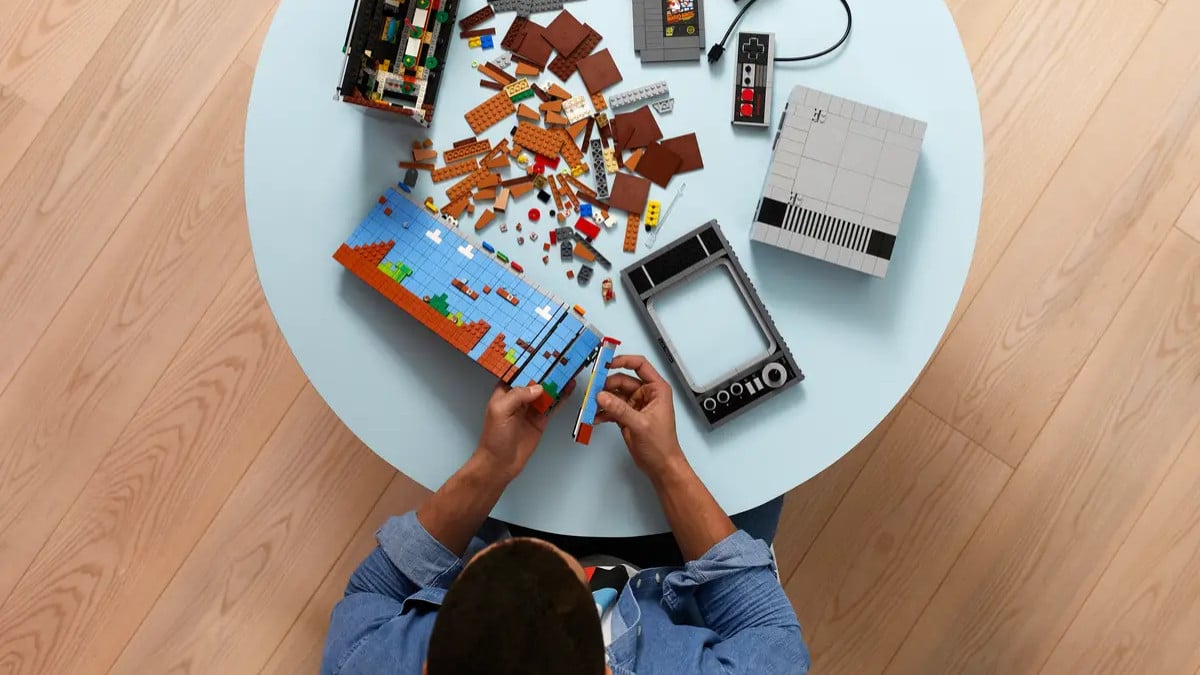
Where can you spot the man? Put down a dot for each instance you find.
(449, 592)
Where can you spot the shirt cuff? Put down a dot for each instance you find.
(736, 553)
(416, 554)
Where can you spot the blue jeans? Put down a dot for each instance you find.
(657, 550)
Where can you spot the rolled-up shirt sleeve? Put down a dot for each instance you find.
(736, 591)
(408, 561)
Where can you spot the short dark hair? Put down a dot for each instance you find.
(517, 609)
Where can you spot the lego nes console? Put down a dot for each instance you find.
(838, 182)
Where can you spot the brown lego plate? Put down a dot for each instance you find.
(599, 71)
(688, 149)
(659, 164)
(629, 193)
(565, 33)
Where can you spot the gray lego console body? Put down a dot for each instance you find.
(839, 179)
(685, 259)
(668, 30)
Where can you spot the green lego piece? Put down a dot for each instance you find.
(441, 304)
(501, 256)
(511, 356)
(550, 388)
(528, 93)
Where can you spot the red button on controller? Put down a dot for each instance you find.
(747, 94)
(747, 110)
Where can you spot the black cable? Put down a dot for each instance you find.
(718, 49)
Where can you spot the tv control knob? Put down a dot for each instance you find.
(710, 404)
(723, 396)
(774, 375)
(736, 389)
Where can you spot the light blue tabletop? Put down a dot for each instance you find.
(314, 167)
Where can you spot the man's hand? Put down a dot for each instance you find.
(512, 429)
(643, 407)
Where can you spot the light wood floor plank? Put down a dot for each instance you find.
(808, 508)
(300, 651)
(253, 47)
(252, 571)
(901, 526)
(1073, 500)
(114, 337)
(1144, 615)
(1040, 81)
(1005, 366)
(1189, 222)
(44, 44)
(978, 21)
(160, 485)
(20, 123)
(100, 148)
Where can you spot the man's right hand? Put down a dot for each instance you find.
(643, 407)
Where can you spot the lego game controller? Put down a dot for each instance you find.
(753, 79)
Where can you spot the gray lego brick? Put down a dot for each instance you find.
(839, 180)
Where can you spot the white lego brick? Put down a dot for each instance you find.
(861, 154)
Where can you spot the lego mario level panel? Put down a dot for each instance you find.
(395, 55)
(471, 296)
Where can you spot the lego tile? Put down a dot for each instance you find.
(599, 71)
(688, 149)
(658, 164)
(636, 129)
(564, 66)
(565, 33)
(629, 193)
(850, 190)
(533, 46)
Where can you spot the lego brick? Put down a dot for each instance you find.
(599, 103)
(490, 112)
(629, 193)
(658, 164)
(663, 107)
(599, 71)
(477, 33)
(423, 155)
(454, 170)
(564, 66)
(565, 33)
(632, 97)
(688, 149)
(635, 129)
(558, 92)
(467, 150)
(632, 225)
(541, 141)
(527, 70)
(476, 18)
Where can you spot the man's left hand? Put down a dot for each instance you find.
(512, 428)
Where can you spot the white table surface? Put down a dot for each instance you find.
(314, 167)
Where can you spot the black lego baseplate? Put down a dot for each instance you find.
(686, 259)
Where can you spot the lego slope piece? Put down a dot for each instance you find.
(587, 412)
(839, 180)
(764, 376)
(396, 55)
(470, 295)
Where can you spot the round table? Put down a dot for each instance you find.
(314, 167)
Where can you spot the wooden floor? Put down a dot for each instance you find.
(174, 497)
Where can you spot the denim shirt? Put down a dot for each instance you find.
(724, 613)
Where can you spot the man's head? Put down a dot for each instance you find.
(522, 607)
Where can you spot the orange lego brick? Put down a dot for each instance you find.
(423, 155)
(468, 150)
(527, 112)
(632, 225)
(558, 92)
(551, 106)
(556, 118)
(455, 208)
(490, 112)
(542, 141)
(525, 69)
(499, 162)
(598, 102)
(454, 170)
(463, 188)
(485, 195)
(488, 179)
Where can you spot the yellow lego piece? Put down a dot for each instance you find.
(431, 206)
(578, 170)
(475, 43)
(652, 209)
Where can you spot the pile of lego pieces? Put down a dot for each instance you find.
(581, 158)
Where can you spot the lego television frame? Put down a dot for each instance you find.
(471, 295)
(687, 258)
(396, 55)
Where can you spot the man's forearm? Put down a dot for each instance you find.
(697, 520)
(459, 508)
